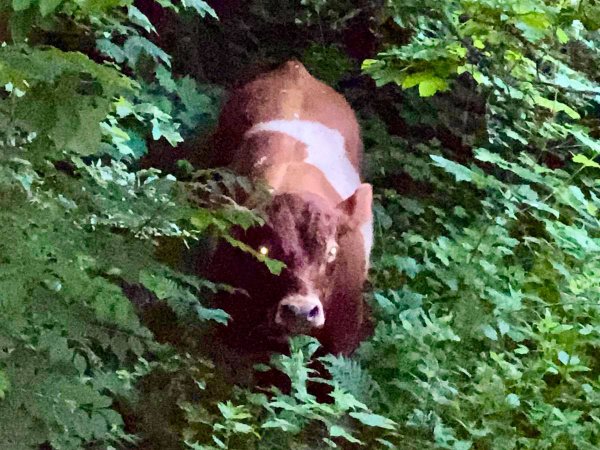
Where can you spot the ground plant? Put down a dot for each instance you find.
(481, 126)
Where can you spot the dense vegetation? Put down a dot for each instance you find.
(481, 129)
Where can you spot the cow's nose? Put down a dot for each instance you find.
(300, 313)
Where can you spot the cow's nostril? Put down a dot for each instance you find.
(290, 310)
(313, 312)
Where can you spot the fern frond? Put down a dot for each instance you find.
(348, 375)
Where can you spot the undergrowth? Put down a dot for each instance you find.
(481, 140)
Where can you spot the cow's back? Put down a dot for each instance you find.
(288, 93)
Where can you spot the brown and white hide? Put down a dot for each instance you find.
(302, 138)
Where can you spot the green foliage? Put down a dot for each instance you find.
(334, 15)
(485, 273)
(487, 286)
(328, 64)
(494, 314)
(283, 420)
(485, 281)
(64, 318)
(78, 226)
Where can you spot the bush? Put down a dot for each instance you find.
(480, 140)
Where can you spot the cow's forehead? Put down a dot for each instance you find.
(303, 226)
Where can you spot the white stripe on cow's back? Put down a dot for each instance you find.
(325, 149)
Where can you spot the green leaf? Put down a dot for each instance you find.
(232, 412)
(503, 327)
(374, 420)
(20, 5)
(556, 106)
(460, 172)
(368, 63)
(139, 18)
(243, 428)
(428, 83)
(516, 136)
(218, 315)
(123, 107)
(168, 130)
(112, 50)
(462, 445)
(542, 207)
(533, 25)
(201, 7)
(585, 139)
(165, 79)
(563, 357)
(80, 363)
(490, 332)
(281, 424)
(521, 350)
(429, 87)
(585, 161)
(137, 45)
(99, 426)
(563, 38)
(193, 100)
(4, 384)
(48, 6)
(415, 78)
(513, 400)
(274, 266)
(219, 442)
(337, 431)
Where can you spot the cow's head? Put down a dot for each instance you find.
(312, 237)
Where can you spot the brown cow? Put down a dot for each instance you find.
(302, 138)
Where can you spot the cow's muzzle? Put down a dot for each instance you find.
(300, 314)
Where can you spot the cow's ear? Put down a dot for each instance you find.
(358, 207)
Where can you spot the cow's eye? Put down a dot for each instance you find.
(331, 254)
(263, 250)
